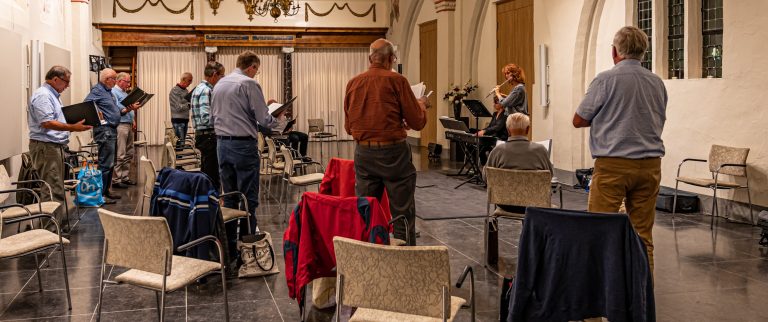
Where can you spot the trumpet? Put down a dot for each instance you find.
(494, 89)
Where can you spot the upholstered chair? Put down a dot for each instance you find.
(524, 188)
(392, 283)
(723, 161)
(144, 246)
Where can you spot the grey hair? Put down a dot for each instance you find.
(186, 75)
(213, 67)
(57, 71)
(630, 42)
(381, 52)
(518, 121)
(123, 75)
(106, 73)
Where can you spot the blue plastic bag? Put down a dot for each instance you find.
(90, 187)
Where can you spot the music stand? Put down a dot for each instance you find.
(477, 109)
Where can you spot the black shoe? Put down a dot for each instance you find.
(112, 196)
(306, 159)
(129, 182)
(118, 185)
(109, 201)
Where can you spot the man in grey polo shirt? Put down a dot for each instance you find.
(626, 109)
(49, 132)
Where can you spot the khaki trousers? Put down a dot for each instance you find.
(48, 160)
(124, 153)
(638, 181)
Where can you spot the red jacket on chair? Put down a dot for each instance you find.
(308, 240)
(339, 180)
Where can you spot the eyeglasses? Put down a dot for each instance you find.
(64, 80)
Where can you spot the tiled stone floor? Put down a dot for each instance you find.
(701, 275)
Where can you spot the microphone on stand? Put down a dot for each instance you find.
(494, 89)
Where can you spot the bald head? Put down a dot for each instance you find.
(108, 77)
(382, 52)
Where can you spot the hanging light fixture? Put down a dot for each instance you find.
(274, 8)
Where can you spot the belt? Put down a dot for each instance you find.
(46, 142)
(204, 132)
(235, 138)
(374, 143)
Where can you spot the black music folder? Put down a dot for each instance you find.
(453, 124)
(275, 108)
(82, 111)
(288, 126)
(476, 108)
(137, 95)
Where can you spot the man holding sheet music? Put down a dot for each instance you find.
(379, 106)
(237, 109)
(106, 133)
(49, 132)
(124, 135)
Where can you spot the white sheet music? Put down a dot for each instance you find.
(419, 89)
(273, 107)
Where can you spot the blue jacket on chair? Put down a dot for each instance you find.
(190, 203)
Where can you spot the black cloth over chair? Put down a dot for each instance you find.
(576, 265)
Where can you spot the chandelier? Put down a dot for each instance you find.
(274, 8)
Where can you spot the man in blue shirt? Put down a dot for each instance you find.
(106, 134)
(49, 132)
(237, 109)
(205, 137)
(124, 135)
(625, 108)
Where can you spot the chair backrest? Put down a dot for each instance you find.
(170, 136)
(412, 280)
(288, 158)
(719, 155)
(150, 175)
(316, 125)
(170, 155)
(79, 141)
(547, 144)
(137, 242)
(527, 188)
(5, 183)
(272, 149)
(260, 141)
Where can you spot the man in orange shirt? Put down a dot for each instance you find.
(379, 107)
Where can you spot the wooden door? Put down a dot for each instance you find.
(428, 75)
(514, 42)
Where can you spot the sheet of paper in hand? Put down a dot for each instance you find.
(276, 108)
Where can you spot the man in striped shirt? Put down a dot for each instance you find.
(205, 137)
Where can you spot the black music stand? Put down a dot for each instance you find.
(478, 110)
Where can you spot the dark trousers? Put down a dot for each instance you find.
(180, 128)
(106, 138)
(209, 160)
(298, 141)
(389, 167)
(239, 171)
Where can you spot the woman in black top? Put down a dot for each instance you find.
(497, 128)
(517, 100)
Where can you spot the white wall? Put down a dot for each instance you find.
(63, 24)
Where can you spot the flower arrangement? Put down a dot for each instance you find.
(456, 93)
